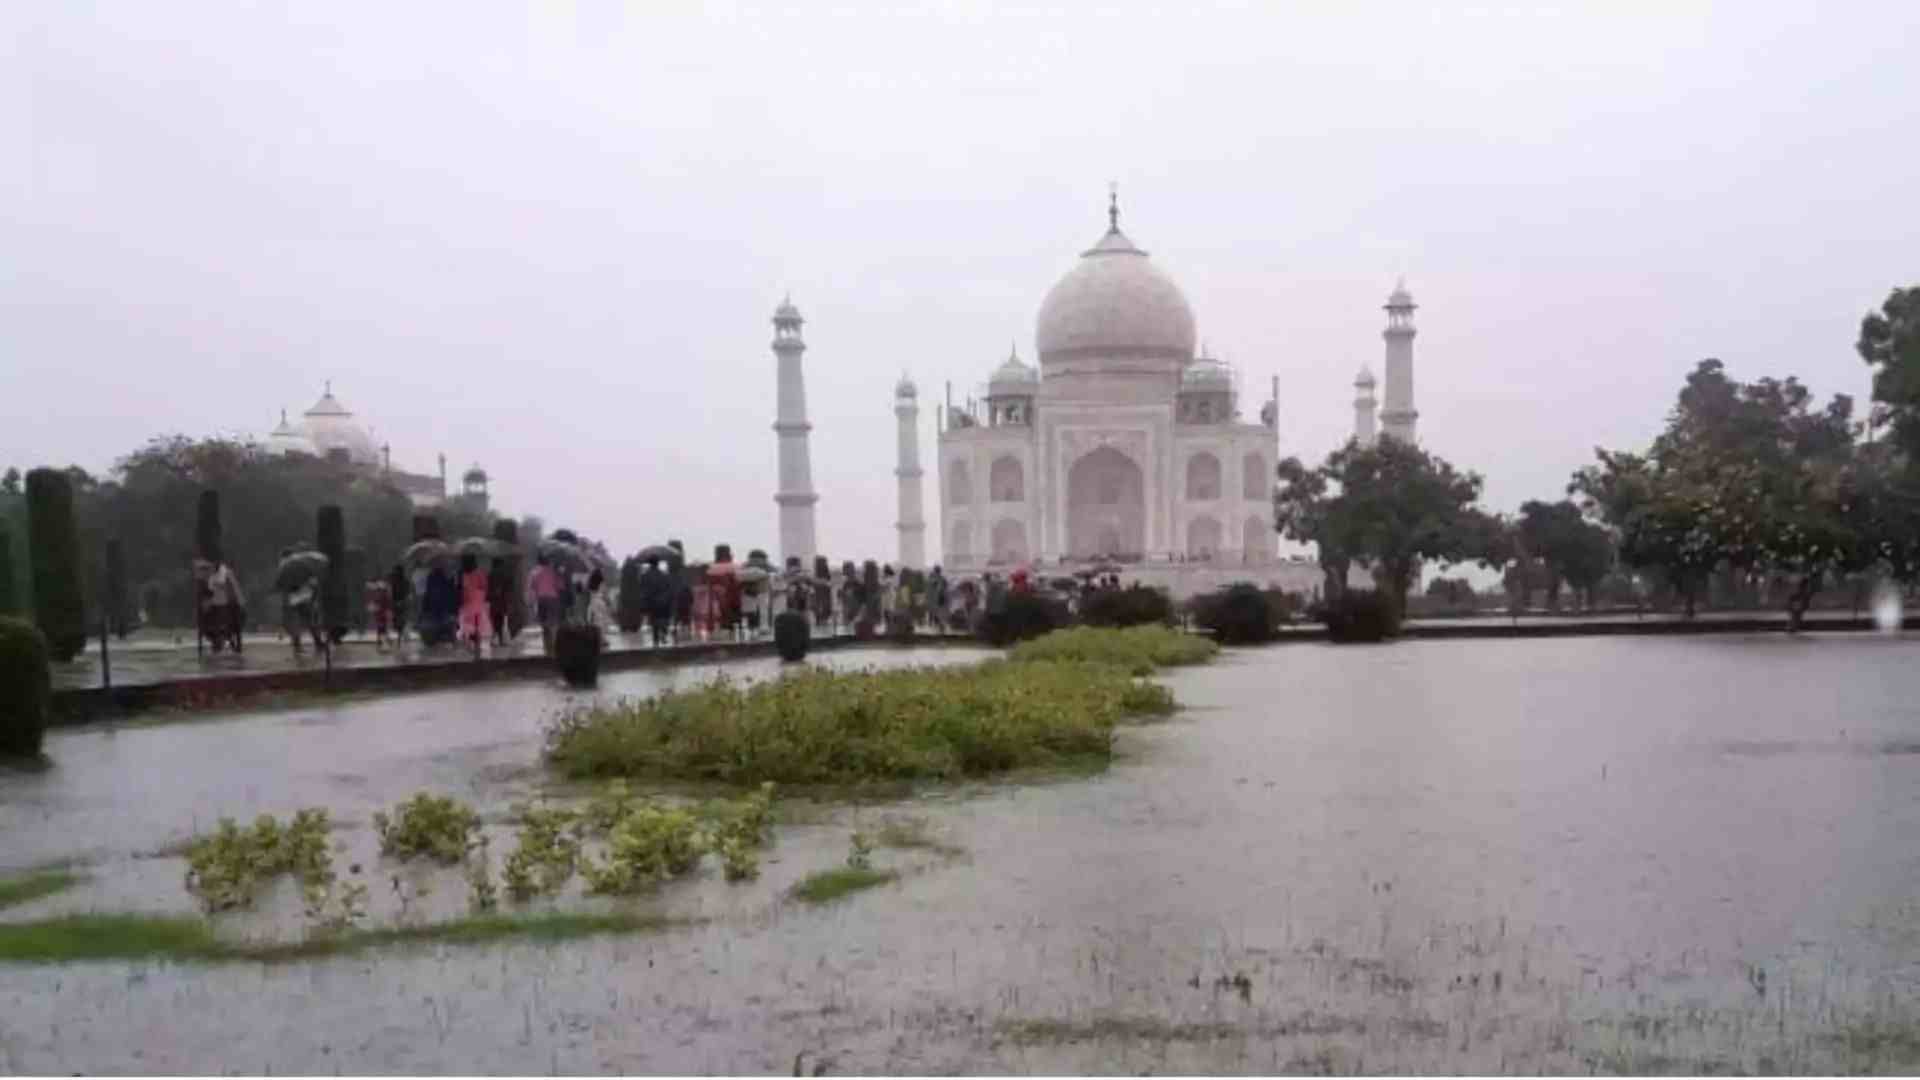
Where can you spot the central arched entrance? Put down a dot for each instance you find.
(1106, 506)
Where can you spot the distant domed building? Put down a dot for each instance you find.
(1127, 441)
(329, 430)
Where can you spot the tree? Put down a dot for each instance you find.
(1746, 476)
(10, 483)
(1572, 550)
(206, 528)
(54, 548)
(1890, 344)
(1397, 506)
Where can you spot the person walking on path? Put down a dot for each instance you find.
(380, 610)
(297, 615)
(500, 598)
(440, 607)
(475, 623)
(656, 601)
(400, 599)
(597, 613)
(543, 587)
(226, 606)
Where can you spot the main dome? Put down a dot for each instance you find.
(1115, 303)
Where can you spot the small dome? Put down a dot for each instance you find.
(1400, 297)
(1207, 373)
(287, 439)
(475, 475)
(1365, 378)
(786, 312)
(905, 388)
(1115, 303)
(330, 426)
(1015, 375)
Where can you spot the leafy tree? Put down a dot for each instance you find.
(1890, 344)
(1572, 550)
(10, 483)
(1396, 506)
(1746, 476)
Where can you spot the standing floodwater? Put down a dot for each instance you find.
(1656, 854)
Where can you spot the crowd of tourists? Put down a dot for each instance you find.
(477, 602)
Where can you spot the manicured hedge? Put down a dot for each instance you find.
(26, 688)
(54, 543)
(1135, 605)
(1360, 615)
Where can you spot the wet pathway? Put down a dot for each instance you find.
(1652, 854)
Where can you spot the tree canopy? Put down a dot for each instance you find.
(1390, 504)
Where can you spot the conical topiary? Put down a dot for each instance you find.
(330, 536)
(9, 597)
(507, 531)
(118, 620)
(26, 688)
(54, 550)
(207, 536)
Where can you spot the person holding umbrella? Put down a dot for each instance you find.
(543, 586)
(656, 598)
(475, 623)
(400, 599)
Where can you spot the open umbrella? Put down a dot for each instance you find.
(426, 551)
(751, 573)
(657, 551)
(299, 568)
(565, 557)
(1063, 583)
(485, 547)
(722, 570)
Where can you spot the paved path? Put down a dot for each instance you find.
(153, 657)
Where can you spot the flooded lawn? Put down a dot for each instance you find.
(1613, 854)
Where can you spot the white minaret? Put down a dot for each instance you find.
(1363, 407)
(1397, 418)
(796, 497)
(912, 526)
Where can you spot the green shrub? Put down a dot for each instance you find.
(437, 826)
(26, 688)
(792, 632)
(118, 617)
(1360, 615)
(576, 651)
(1140, 649)
(650, 844)
(1135, 605)
(226, 869)
(1026, 615)
(54, 547)
(827, 727)
(1240, 614)
(547, 855)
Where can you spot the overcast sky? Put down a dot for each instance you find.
(549, 238)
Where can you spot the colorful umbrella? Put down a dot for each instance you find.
(299, 568)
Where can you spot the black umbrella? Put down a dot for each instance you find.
(299, 568)
(426, 551)
(485, 547)
(657, 551)
(569, 558)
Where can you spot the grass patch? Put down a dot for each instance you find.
(1141, 650)
(823, 886)
(135, 937)
(840, 728)
(22, 888)
(910, 834)
(105, 937)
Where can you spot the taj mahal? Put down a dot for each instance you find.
(1125, 444)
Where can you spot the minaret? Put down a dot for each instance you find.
(1397, 418)
(795, 496)
(912, 526)
(1363, 406)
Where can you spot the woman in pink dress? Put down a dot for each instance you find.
(475, 623)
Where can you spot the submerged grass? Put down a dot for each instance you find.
(822, 886)
(912, 833)
(22, 888)
(838, 728)
(135, 937)
(1141, 650)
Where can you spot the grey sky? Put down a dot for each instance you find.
(550, 238)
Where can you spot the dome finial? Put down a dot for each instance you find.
(1113, 205)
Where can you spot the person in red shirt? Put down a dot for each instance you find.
(544, 585)
(474, 623)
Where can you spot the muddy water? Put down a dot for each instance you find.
(1550, 855)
